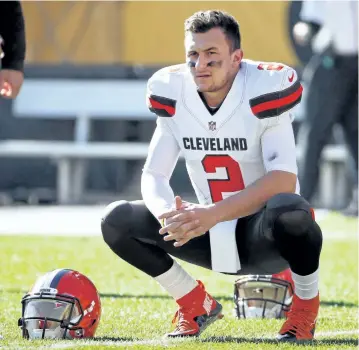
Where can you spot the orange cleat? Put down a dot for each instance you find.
(197, 310)
(300, 324)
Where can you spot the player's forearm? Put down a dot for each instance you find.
(12, 30)
(252, 198)
(156, 192)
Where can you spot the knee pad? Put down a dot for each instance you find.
(116, 221)
(288, 212)
(296, 223)
(284, 202)
(296, 233)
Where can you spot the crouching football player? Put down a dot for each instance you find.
(231, 119)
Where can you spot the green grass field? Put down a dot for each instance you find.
(137, 312)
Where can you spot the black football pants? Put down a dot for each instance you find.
(282, 234)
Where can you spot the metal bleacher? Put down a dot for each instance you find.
(84, 101)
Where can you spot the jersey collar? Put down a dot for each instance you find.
(194, 104)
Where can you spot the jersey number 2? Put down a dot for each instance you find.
(233, 182)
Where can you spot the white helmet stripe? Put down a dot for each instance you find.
(49, 279)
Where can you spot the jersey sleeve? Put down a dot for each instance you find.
(162, 157)
(162, 94)
(281, 92)
(12, 31)
(278, 145)
(275, 110)
(163, 150)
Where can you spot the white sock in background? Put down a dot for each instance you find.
(176, 281)
(306, 287)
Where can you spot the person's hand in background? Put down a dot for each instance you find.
(302, 33)
(10, 82)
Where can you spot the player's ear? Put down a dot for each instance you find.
(237, 56)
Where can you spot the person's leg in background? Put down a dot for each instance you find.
(317, 126)
(349, 121)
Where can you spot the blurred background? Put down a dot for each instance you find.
(78, 131)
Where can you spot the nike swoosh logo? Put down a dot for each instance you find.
(291, 77)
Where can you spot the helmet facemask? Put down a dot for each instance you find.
(49, 316)
(262, 296)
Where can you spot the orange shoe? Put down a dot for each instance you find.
(300, 324)
(197, 310)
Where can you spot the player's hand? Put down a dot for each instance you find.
(177, 205)
(302, 33)
(10, 82)
(181, 204)
(186, 223)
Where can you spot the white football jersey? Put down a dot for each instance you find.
(248, 136)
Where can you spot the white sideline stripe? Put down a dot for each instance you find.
(82, 221)
(328, 235)
(339, 236)
(334, 334)
(164, 342)
(321, 214)
(51, 220)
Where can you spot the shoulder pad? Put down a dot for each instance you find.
(163, 89)
(279, 90)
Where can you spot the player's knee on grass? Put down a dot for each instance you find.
(116, 221)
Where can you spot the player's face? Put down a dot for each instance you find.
(211, 60)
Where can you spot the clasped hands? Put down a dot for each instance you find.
(185, 221)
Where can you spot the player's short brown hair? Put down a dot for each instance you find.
(203, 21)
